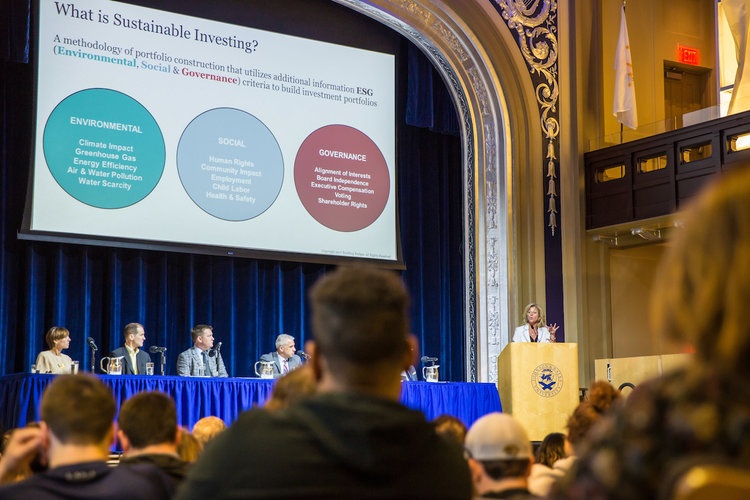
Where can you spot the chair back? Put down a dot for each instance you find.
(712, 482)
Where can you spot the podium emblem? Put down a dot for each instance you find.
(547, 380)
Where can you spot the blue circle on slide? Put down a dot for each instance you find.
(230, 164)
(104, 148)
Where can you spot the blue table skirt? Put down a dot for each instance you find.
(195, 398)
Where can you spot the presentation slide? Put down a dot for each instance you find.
(153, 126)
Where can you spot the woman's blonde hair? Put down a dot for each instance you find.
(542, 320)
(702, 287)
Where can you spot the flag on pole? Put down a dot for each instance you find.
(624, 107)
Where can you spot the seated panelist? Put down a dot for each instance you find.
(53, 360)
(284, 358)
(201, 360)
(134, 357)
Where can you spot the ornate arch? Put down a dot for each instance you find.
(485, 71)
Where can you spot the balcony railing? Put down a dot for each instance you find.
(656, 175)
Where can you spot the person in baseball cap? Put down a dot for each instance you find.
(500, 457)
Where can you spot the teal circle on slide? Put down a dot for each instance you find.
(230, 164)
(95, 126)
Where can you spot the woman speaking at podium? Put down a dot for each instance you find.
(534, 329)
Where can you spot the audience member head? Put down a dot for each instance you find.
(147, 419)
(499, 452)
(360, 325)
(4, 443)
(703, 284)
(207, 428)
(134, 335)
(203, 336)
(78, 410)
(57, 338)
(601, 396)
(450, 427)
(291, 387)
(539, 319)
(22, 468)
(551, 449)
(285, 345)
(188, 446)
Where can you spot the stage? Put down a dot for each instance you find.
(226, 398)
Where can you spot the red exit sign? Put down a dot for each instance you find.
(688, 55)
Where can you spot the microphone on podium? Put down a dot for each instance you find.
(154, 349)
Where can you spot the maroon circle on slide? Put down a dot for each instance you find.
(342, 178)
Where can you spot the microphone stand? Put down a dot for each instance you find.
(163, 362)
(218, 356)
(93, 359)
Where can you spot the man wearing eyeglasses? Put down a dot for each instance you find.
(284, 359)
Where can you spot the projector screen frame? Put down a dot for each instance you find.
(392, 40)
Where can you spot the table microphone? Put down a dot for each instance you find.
(214, 350)
(302, 354)
(154, 349)
(429, 359)
(92, 344)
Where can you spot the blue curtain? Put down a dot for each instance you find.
(95, 291)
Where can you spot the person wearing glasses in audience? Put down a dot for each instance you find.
(284, 358)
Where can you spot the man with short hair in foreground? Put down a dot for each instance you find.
(500, 457)
(148, 433)
(74, 437)
(352, 439)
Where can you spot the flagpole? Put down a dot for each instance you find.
(621, 125)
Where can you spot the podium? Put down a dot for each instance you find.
(538, 384)
(629, 372)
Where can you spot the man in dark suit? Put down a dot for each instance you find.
(134, 357)
(284, 359)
